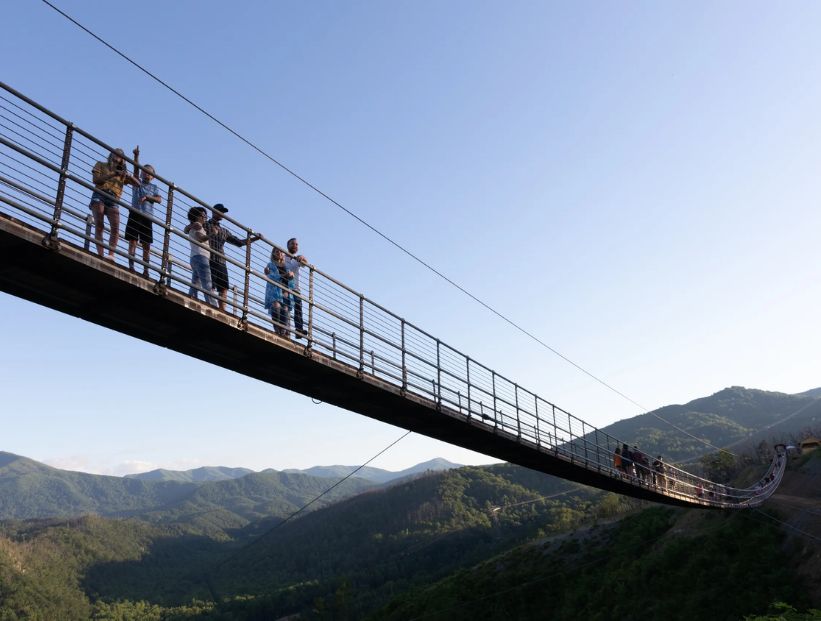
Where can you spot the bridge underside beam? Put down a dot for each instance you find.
(77, 283)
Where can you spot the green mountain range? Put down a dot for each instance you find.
(222, 473)
(196, 475)
(29, 489)
(732, 417)
(494, 542)
(377, 475)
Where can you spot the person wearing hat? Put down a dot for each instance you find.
(109, 178)
(217, 236)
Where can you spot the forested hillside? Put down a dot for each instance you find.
(732, 416)
(29, 489)
(473, 542)
(381, 542)
(667, 564)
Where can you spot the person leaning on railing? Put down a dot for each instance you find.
(109, 178)
(217, 236)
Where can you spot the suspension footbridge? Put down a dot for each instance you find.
(355, 353)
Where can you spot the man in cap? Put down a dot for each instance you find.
(217, 236)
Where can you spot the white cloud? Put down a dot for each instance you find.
(132, 466)
(71, 462)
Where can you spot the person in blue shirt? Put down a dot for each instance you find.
(139, 228)
(278, 296)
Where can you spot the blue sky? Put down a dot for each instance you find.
(636, 183)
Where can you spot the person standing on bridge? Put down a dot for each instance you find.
(641, 464)
(627, 460)
(109, 178)
(217, 236)
(200, 272)
(277, 291)
(658, 472)
(139, 227)
(292, 263)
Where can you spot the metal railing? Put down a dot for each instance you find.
(45, 181)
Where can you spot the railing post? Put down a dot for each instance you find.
(247, 283)
(493, 380)
(311, 306)
(404, 367)
(361, 333)
(439, 371)
(61, 183)
(555, 430)
(87, 240)
(518, 417)
(333, 341)
(165, 272)
(584, 439)
(467, 366)
(373, 367)
(536, 404)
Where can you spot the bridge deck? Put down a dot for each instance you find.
(78, 283)
(358, 354)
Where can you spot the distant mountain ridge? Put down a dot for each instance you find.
(730, 417)
(209, 498)
(222, 473)
(197, 475)
(377, 475)
(29, 489)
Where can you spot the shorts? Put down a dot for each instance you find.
(219, 276)
(139, 228)
(109, 201)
